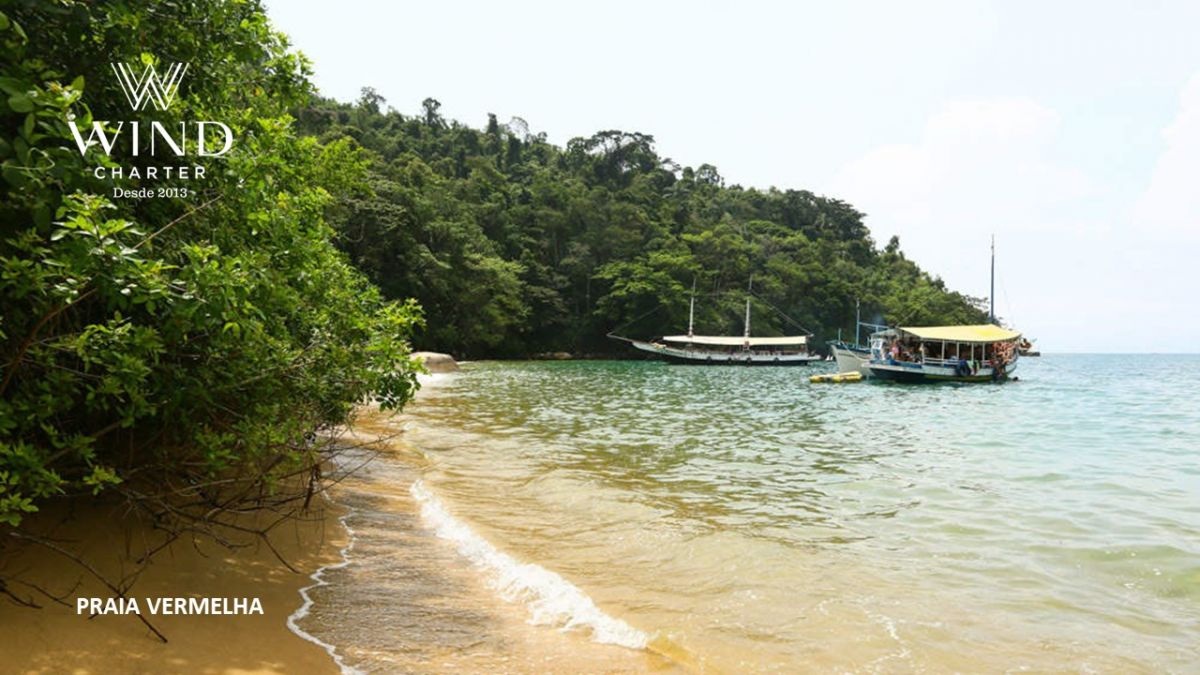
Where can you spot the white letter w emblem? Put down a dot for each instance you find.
(149, 87)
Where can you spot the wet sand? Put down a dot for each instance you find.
(55, 639)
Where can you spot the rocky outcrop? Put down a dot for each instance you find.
(437, 363)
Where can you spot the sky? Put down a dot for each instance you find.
(1069, 130)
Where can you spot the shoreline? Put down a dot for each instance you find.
(56, 638)
(318, 580)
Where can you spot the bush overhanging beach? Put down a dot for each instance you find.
(178, 354)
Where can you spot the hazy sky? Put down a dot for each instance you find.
(1070, 130)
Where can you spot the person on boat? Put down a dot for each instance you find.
(999, 360)
(894, 352)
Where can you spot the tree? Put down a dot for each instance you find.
(371, 101)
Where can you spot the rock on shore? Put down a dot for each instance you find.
(437, 363)
(553, 356)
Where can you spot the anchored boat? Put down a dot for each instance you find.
(722, 350)
(788, 350)
(854, 356)
(981, 353)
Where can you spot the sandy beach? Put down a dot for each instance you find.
(55, 639)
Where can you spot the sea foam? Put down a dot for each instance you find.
(552, 600)
(318, 578)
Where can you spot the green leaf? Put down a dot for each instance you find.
(21, 147)
(11, 85)
(20, 102)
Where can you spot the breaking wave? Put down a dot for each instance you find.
(551, 599)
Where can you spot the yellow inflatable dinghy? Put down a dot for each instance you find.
(852, 376)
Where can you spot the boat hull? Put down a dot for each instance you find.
(696, 357)
(918, 373)
(851, 359)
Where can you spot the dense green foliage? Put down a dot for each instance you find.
(515, 246)
(155, 346)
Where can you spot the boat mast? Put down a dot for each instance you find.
(992, 292)
(692, 309)
(748, 292)
(857, 320)
(747, 318)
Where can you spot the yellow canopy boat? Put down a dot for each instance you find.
(974, 353)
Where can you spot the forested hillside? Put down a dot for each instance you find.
(515, 246)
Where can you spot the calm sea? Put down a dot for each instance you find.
(636, 516)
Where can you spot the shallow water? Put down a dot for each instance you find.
(633, 516)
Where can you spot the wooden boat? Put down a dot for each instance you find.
(980, 353)
(715, 350)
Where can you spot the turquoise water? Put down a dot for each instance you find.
(744, 520)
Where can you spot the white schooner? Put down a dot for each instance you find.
(744, 350)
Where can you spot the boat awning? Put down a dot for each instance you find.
(982, 333)
(731, 341)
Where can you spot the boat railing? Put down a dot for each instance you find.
(943, 362)
(737, 352)
(930, 361)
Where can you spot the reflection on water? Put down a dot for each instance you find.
(750, 521)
